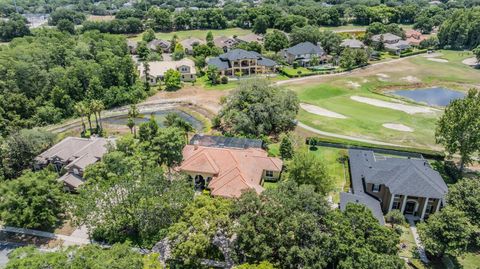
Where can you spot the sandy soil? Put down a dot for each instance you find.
(432, 55)
(321, 111)
(397, 127)
(382, 75)
(438, 60)
(354, 85)
(209, 100)
(409, 109)
(411, 79)
(471, 61)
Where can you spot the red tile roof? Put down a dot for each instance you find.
(233, 170)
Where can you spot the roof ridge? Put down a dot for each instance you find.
(239, 174)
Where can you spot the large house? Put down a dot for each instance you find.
(228, 166)
(352, 43)
(189, 43)
(157, 70)
(303, 53)
(159, 44)
(249, 38)
(242, 62)
(414, 37)
(225, 43)
(384, 183)
(73, 154)
(391, 42)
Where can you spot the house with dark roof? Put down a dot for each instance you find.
(229, 171)
(242, 62)
(73, 155)
(225, 43)
(391, 42)
(303, 53)
(384, 183)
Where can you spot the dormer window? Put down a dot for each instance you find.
(269, 173)
(75, 171)
(375, 187)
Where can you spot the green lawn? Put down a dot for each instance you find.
(335, 168)
(470, 260)
(364, 120)
(294, 72)
(407, 239)
(201, 34)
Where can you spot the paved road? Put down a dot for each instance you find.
(5, 248)
(69, 239)
(313, 130)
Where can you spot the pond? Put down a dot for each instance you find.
(432, 96)
(159, 117)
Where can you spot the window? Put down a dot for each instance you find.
(396, 202)
(375, 187)
(269, 173)
(75, 171)
(429, 207)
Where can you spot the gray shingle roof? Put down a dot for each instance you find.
(405, 176)
(222, 62)
(352, 43)
(225, 142)
(387, 37)
(306, 48)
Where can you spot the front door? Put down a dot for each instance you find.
(409, 207)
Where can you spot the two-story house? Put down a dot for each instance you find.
(159, 45)
(72, 155)
(391, 42)
(228, 166)
(157, 70)
(239, 62)
(383, 183)
(303, 53)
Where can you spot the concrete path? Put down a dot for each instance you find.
(70, 240)
(418, 242)
(5, 249)
(347, 137)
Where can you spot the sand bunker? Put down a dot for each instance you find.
(353, 84)
(321, 111)
(438, 60)
(471, 61)
(382, 75)
(409, 109)
(431, 55)
(397, 127)
(411, 79)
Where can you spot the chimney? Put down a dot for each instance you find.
(195, 145)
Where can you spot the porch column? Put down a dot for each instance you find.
(438, 205)
(424, 209)
(391, 202)
(404, 203)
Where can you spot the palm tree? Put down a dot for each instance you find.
(96, 106)
(88, 112)
(133, 113)
(80, 110)
(174, 120)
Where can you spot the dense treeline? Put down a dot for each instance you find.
(461, 30)
(43, 76)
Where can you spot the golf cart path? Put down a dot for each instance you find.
(347, 137)
(70, 239)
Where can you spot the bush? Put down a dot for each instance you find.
(224, 80)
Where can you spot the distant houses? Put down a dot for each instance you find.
(384, 183)
(414, 37)
(227, 167)
(391, 42)
(159, 45)
(352, 43)
(225, 43)
(239, 62)
(71, 156)
(303, 53)
(157, 70)
(189, 43)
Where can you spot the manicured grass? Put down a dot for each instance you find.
(294, 72)
(270, 185)
(364, 120)
(200, 34)
(335, 169)
(206, 84)
(470, 260)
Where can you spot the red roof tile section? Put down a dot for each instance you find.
(233, 170)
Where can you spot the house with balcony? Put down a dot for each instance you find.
(303, 53)
(384, 183)
(227, 167)
(157, 70)
(239, 62)
(71, 156)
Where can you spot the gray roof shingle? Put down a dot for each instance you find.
(222, 62)
(305, 48)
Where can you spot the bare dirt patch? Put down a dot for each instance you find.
(409, 109)
(432, 55)
(438, 60)
(397, 127)
(321, 111)
(354, 85)
(411, 79)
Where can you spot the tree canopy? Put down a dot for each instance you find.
(257, 108)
